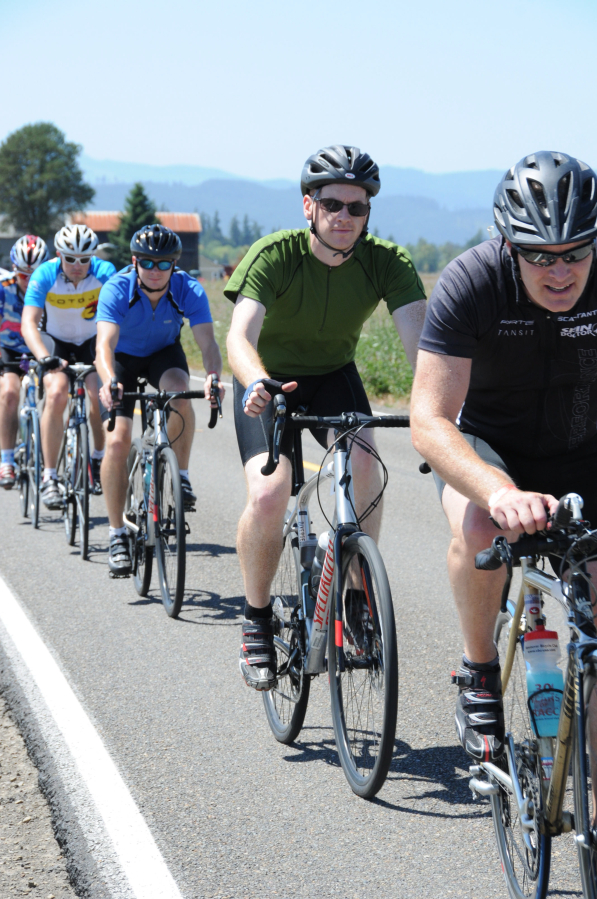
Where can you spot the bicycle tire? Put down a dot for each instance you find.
(34, 457)
(141, 554)
(81, 490)
(23, 474)
(526, 869)
(170, 538)
(364, 696)
(286, 704)
(65, 469)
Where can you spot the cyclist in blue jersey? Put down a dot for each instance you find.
(67, 289)
(26, 255)
(139, 316)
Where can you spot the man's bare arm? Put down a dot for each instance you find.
(439, 390)
(30, 320)
(247, 321)
(409, 324)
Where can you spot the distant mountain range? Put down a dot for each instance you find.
(412, 203)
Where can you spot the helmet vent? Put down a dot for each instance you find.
(588, 191)
(520, 230)
(515, 197)
(538, 193)
(563, 192)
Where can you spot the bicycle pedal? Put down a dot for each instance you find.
(187, 527)
(190, 509)
(118, 577)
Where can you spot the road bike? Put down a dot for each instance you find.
(154, 509)
(74, 465)
(28, 452)
(527, 788)
(333, 608)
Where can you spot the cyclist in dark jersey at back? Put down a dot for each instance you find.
(511, 333)
(301, 300)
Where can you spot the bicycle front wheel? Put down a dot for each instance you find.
(170, 539)
(34, 463)
(81, 488)
(66, 473)
(22, 473)
(525, 854)
(286, 704)
(363, 669)
(136, 513)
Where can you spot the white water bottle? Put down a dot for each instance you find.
(544, 680)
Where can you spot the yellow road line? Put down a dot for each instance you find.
(310, 466)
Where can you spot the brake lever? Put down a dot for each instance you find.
(214, 394)
(115, 397)
(275, 435)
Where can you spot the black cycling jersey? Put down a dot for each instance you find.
(532, 388)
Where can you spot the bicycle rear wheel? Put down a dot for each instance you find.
(364, 669)
(525, 862)
(286, 704)
(170, 538)
(81, 488)
(136, 512)
(34, 457)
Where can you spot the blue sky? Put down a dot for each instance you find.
(253, 88)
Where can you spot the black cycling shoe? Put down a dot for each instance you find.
(119, 558)
(257, 661)
(480, 712)
(358, 625)
(188, 497)
(96, 484)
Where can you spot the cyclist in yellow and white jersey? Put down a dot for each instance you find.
(67, 289)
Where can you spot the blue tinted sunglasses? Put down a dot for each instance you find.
(164, 265)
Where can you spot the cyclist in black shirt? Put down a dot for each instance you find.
(504, 404)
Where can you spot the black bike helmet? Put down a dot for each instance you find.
(547, 198)
(156, 241)
(340, 164)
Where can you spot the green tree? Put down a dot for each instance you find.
(40, 180)
(236, 236)
(139, 210)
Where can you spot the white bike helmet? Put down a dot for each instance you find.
(76, 239)
(29, 252)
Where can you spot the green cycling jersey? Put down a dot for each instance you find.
(315, 312)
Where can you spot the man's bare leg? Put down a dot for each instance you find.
(259, 539)
(114, 474)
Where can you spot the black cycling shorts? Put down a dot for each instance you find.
(72, 352)
(331, 394)
(11, 358)
(128, 368)
(576, 472)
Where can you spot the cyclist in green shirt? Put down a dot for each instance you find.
(301, 298)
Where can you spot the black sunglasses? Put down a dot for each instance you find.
(164, 265)
(357, 208)
(546, 259)
(72, 259)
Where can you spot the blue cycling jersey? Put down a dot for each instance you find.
(144, 330)
(70, 309)
(11, 309)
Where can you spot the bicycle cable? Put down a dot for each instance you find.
(352, 434)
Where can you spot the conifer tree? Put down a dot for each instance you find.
(139, 210)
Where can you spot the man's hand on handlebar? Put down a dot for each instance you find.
(106, 395)
(521, 510)
(259, 397)
(52, 364)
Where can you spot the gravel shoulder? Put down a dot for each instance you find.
(31, 862)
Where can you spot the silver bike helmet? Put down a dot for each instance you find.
(547, 198)
(29, 252)
(340, 164)
(76, 239)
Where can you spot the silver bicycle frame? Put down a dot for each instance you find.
(340, 470)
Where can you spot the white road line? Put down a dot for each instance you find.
(134, 846)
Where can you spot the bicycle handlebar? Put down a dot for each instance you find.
(345, 422)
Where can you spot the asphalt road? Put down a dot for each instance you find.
(234, 813)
